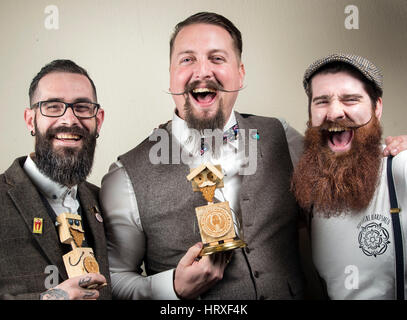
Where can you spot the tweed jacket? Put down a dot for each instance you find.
(24, 255)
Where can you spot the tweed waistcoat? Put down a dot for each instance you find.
(269, 267)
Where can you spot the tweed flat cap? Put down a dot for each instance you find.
(368, 69)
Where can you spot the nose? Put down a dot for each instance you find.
(203, 70)
(69, 118)
(335, 111)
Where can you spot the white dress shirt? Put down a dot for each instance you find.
(125, 237)
(61, 198)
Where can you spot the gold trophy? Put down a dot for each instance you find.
(215, 220)
(80, 260)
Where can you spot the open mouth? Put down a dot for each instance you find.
(339, 138)
(204, 96)
(67, 137)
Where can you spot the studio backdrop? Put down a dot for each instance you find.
(124, 45)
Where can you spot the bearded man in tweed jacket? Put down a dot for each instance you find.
(65, 119)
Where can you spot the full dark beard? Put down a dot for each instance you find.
(334, 184)
(67, 166)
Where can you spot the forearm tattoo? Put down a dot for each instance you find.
(54, 294)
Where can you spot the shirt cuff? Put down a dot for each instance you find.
(162, 286)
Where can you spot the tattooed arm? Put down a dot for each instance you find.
(78, 288)
(54, 294)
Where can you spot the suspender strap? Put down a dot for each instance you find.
(398, 241)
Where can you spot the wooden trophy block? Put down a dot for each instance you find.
(215, 222)
(206, 174)
(80, 261)
(70, 228)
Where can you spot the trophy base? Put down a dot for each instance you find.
(224, 246)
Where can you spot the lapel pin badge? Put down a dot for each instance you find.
(96, 212)
(256, 136)
(37, 225)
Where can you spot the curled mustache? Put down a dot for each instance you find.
(209, 84)
(343, 123)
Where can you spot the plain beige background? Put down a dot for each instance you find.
(124, 46)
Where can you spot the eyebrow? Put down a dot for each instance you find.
(218, 50)
(323, 97)
(343, 96)
(80, 99)
(354, 95)
(185, 52)
(210, 52)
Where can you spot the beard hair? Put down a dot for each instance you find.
(210, 127)
(334, 184)
(66, 166)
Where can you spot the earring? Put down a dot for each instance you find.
(97, 135)
(32, 133)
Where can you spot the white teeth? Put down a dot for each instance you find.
(337, 129)
(203, 90)
(67, 136)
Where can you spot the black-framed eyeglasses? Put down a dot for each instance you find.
(55, 109)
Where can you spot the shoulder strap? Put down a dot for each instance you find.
(398, 240)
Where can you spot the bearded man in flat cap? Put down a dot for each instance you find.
(342, 181)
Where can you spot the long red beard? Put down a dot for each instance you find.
(333, 184)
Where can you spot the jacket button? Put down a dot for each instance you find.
(256, 274)
(247, 250)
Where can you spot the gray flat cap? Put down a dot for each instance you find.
(368, 69)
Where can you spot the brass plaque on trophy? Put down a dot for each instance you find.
(215, 220)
